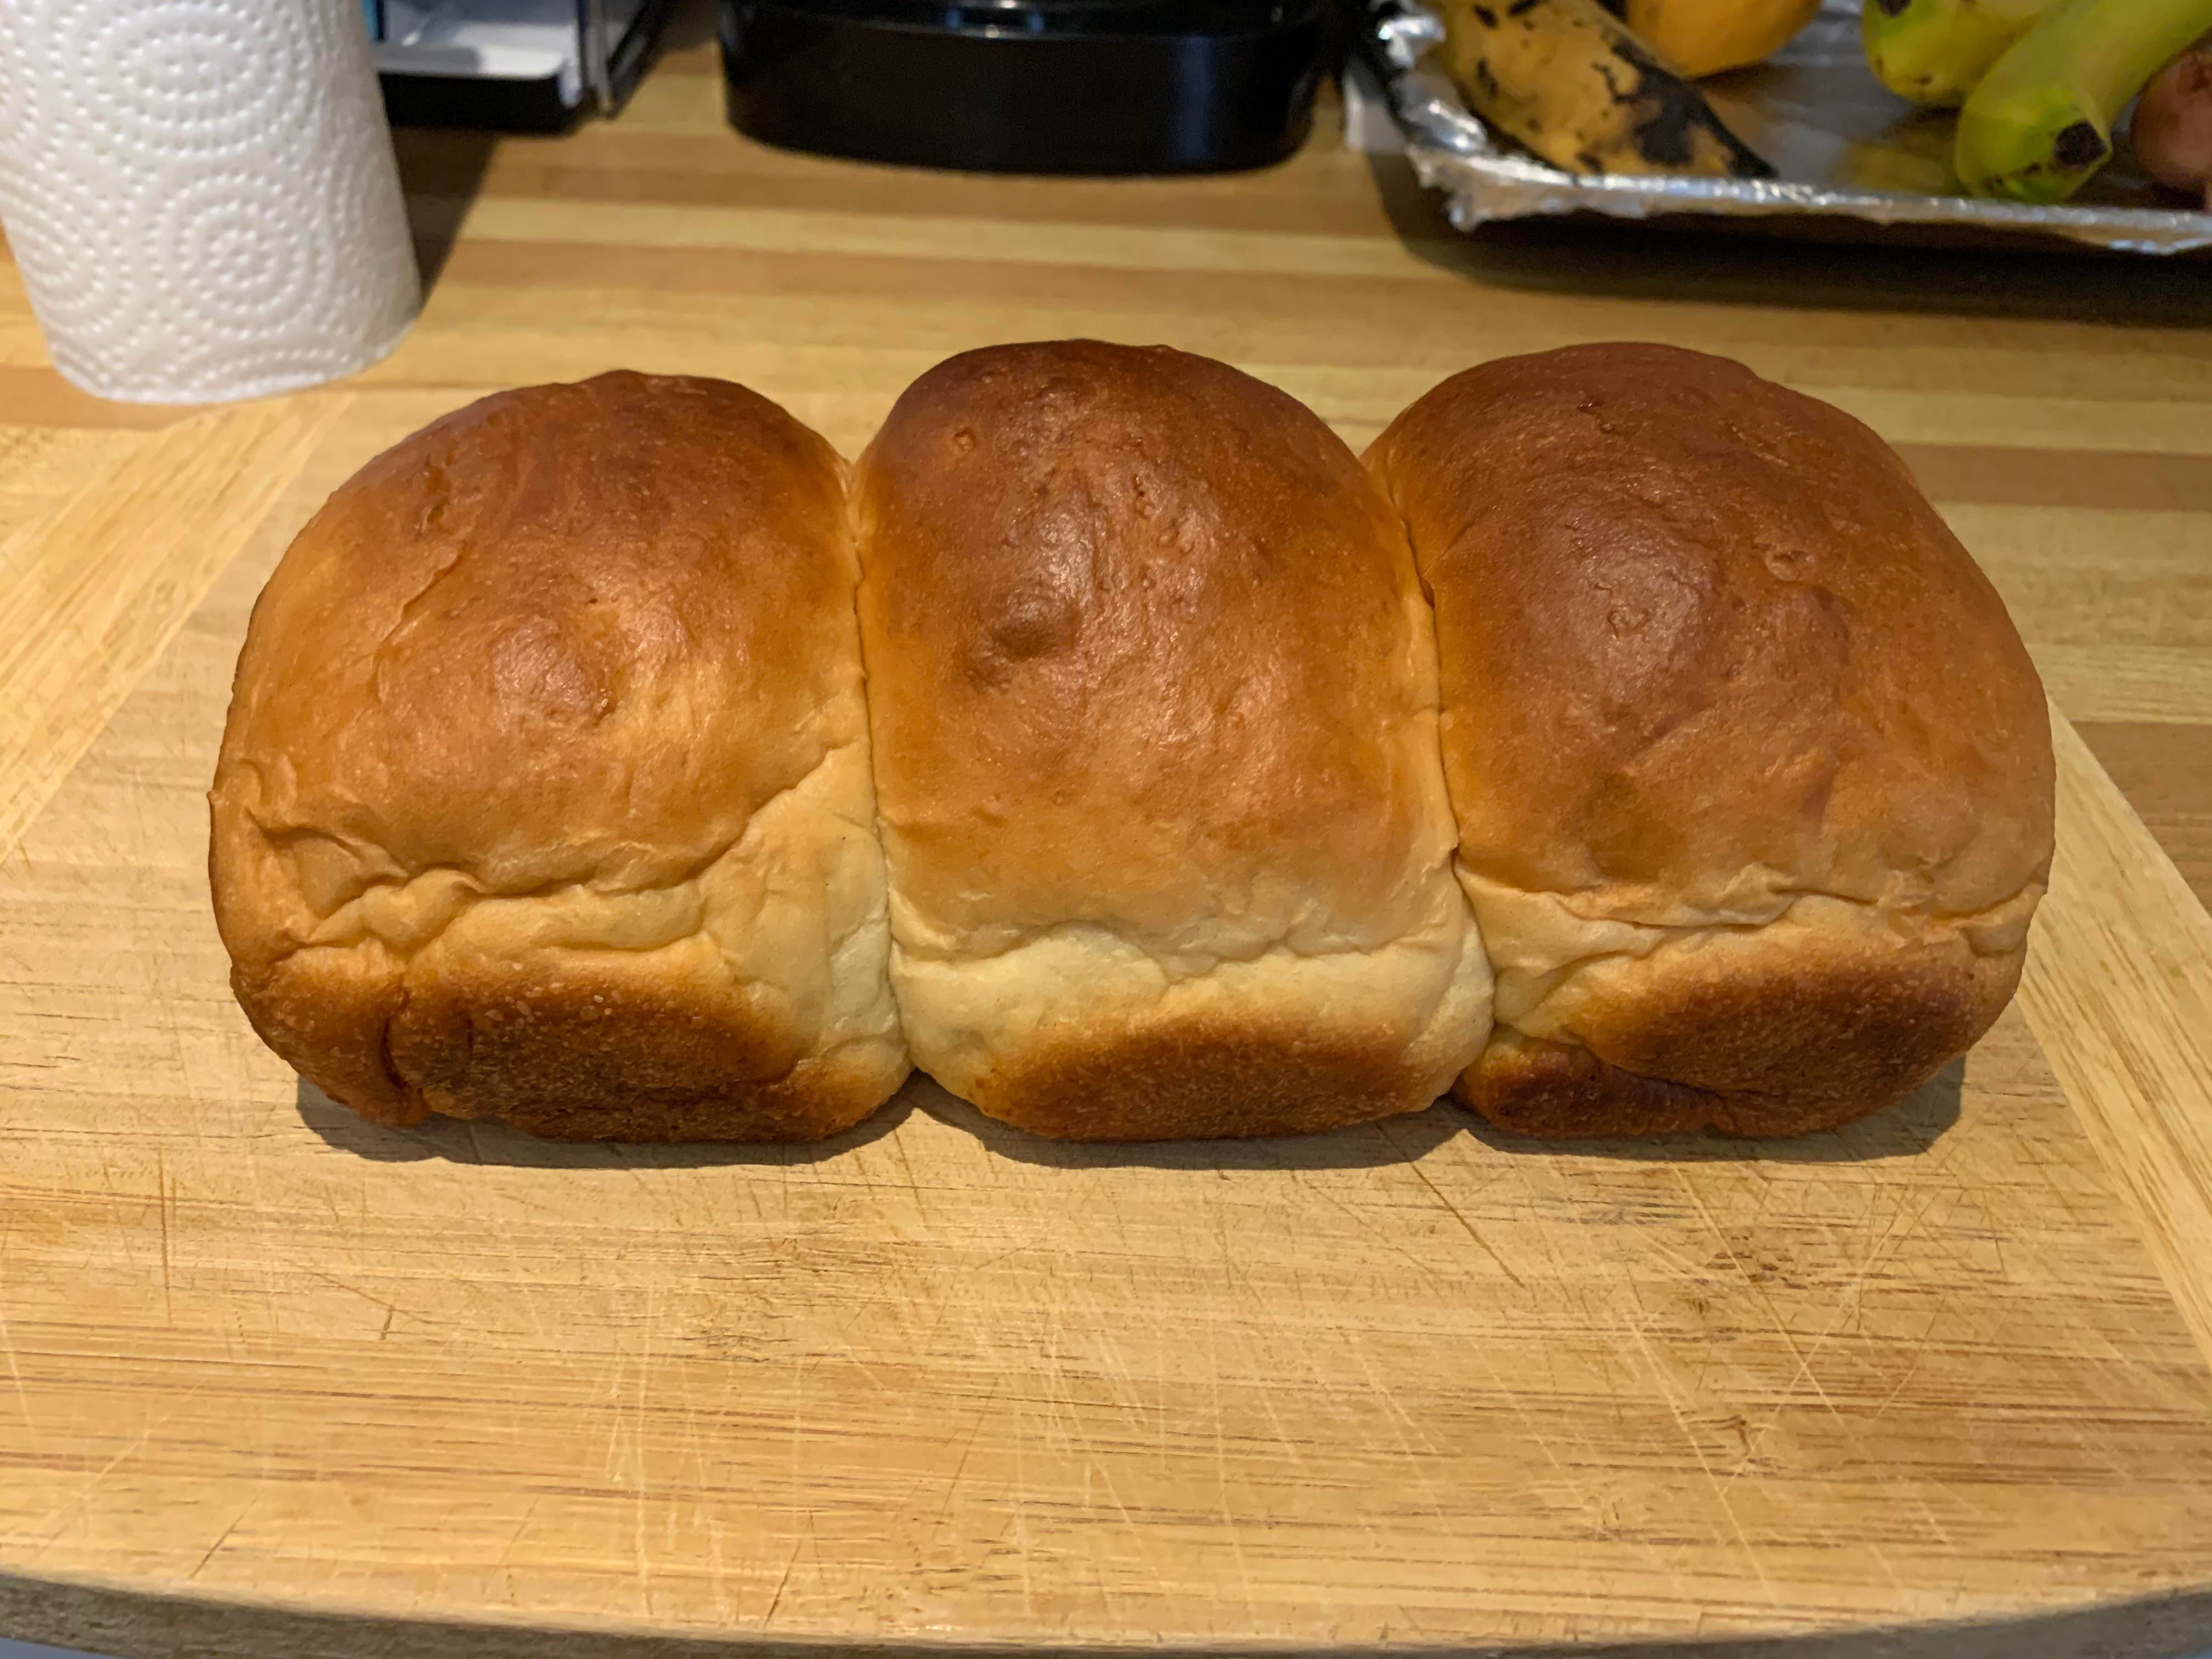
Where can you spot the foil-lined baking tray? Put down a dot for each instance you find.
(1843, 148)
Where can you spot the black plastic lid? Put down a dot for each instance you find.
(1042, 86)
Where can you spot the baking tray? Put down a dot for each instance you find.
(1844, 148)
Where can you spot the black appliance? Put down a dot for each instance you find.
(1028, 86)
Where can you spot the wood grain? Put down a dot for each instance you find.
(2160, 685)
(272, 1383)
(42, 466)
(2164, 771)
(89, 594)
(2119, 991)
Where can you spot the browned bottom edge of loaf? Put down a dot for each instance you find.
(588, 1058)
(1200, 1083)
(1803, 1042)
(1558, 1090)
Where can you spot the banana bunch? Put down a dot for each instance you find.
(2040, 121)
(1582, 90)
(1933, 52)
(2040, 80)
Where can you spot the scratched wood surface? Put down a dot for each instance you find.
(274, 1382)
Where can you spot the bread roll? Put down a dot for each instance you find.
(545, 792)
(1153, 692)
(1752, 774)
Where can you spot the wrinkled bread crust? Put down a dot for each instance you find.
(1805, 1017)
(545, 794)
(1084, 1034)
(1154, 701)
(1752, 772)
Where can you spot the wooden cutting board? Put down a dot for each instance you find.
(274, 1382)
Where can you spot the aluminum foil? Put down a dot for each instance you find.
(1842, 145)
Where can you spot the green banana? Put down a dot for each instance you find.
(2040, 122)
(1933, 52)
(1585, 92)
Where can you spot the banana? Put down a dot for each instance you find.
(1580, 89)
(1933, 52)
(1709, 36)
(2040, 122)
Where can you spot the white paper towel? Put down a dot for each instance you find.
(201, 194)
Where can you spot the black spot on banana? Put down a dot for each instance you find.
(1574, 84)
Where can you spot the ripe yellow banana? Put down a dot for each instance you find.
(1933, 52)
(1584, 91)
(1707, 37)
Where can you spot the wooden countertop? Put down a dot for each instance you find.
(1761, 1326)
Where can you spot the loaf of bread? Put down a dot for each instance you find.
(1153, 693)
(1753, 774)
(545, 794)
(1199, 781)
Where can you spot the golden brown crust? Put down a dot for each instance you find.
(1190, 1082)
(1153, 603)
(545, 795)
(1806, 1039)
(1694, 624)
(1707, 652)
(1152, 690)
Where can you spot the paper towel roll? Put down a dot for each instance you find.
(201, 194)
